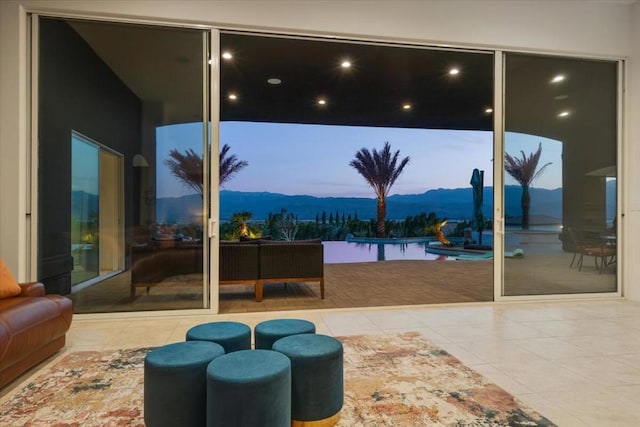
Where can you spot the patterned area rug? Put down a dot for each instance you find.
(390, 380)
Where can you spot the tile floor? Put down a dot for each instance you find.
(578, 363)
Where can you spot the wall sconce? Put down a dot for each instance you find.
(139, 161)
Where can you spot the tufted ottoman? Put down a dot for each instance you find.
(270, 331)
(232, 336)
(317, 383)
(249, 388)
(175, 387)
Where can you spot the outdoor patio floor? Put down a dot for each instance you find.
(394, 283)
(542, 270)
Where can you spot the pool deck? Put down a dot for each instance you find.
(416, 282)
(544, 269)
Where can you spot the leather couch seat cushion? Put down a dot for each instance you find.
(30, 323)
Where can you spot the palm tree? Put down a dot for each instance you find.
(380, 170)
(229, 164)
(525, 171)
(241, 219)
(187, 167)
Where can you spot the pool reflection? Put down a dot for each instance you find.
(336, 252)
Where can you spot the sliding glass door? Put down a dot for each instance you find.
(123, 124)
(560, 175)
(96, 212)
(122, 209)
(296, 114)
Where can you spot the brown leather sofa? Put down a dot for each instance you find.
(260, 261)
(32, 327)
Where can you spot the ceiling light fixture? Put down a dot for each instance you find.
(346, 64)
(557, 79)
(274, 81)
(454, 71)
(233, 96)
(563, 114)
(322, 101)
(488, 110)
(227, 55)
(406, 106)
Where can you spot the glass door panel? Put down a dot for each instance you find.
(140, 95)
(560, 175)
(85, 217)
(297, 118)
(110, 229)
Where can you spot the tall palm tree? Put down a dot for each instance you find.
(525, 171)
(380, 170)
(229, 164)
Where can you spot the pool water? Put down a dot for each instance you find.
(343, 252)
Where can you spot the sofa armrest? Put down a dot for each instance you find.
(32, 289)
(239, 261)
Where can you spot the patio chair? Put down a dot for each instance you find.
(585, 244)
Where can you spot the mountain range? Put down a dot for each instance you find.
(546, 205)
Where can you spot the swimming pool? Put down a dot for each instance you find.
(344, 252)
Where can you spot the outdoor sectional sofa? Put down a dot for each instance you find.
(263, 261)
(152, 267)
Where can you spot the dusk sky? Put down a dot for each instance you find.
(314, 159)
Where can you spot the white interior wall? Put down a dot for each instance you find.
(13, 153)
(631, 155)
(594, 28)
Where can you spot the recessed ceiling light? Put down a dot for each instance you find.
(563, 114)
(557, 79)
(233, 96)
(488, 110)
(346, 64)
(274, 81)
(454, 71)
(227, 55)
(406, 106)
(322, 101)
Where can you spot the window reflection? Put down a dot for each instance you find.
(567, 108)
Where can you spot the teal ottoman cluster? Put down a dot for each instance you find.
(317, 379)
(250, 388)
(292, 378)
(270, 331)
(175, 386)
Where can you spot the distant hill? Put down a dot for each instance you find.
(446, 203)
(84, 205)
(546, 205)
(179, 210)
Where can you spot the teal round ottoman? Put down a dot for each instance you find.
(317, 379)
(249, 388)
(232, 336)
(175, 386)
(270, 331)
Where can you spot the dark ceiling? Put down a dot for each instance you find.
(371, 92)
(165, 66)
